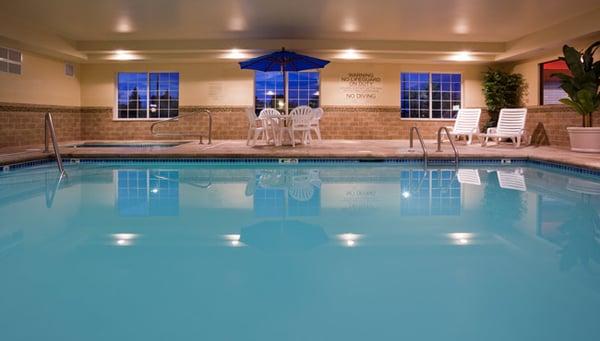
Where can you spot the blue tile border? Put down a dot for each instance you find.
(26, 164)
(406, 161)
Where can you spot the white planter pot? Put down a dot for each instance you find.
(585, 140)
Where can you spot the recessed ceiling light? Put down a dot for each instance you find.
(349, 25)
(461, 27)
(462, 56)
(235, 54)
(350, 54)
(124, 25)
(124, 55)
(237, 24)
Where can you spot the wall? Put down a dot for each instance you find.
(205, 84)
(43, 81)
(530, 68)
(42, 87)
(227, 91)
(83, 106)
(23, 124)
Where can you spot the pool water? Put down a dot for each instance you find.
(241, 251)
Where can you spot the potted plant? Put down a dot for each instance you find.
(582, 88)
(502, 89)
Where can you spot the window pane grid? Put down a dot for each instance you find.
(148, 95)
(430, 95)
(302, 88)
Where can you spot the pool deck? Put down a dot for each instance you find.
(327, 149)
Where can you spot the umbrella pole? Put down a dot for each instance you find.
(285, 91)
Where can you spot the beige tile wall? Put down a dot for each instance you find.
(24, 124)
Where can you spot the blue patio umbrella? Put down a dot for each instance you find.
(283, 61)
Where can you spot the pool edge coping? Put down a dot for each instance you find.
(440, 161)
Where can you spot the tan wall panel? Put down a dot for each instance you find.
(43, 81)
(199, 84)
(333, 86)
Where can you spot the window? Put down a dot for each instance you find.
(302, 88)
(143, 95)
(10, 60)
(550, 91)
(430, 193)
(147, 192)
(430, 95)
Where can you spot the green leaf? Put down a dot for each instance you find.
(573, 59)
(572, 104)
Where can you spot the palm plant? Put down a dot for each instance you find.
(502, 89)
(582, 84)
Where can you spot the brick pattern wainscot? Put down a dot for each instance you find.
(23, 124)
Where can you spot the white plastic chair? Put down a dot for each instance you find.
(315, 124)
(301, 118)
(511, 125)
(271, 121)
(466, 124)
(514, 179)
(468, 176)
(256, 127)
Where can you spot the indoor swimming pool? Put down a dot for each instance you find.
(307, 251)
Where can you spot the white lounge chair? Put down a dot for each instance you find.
(270, 119)
(301, 118)
(256, 127)
(511, 125)
(468, 176)
(512, 179)
(466, 124)
(315, 123)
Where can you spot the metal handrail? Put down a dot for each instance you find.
(414, 128)
(201, 135)
(439, 143)
(49, 126)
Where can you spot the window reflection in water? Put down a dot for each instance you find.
(148, 192)
(430, 192)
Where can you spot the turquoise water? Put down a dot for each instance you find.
(298, 252)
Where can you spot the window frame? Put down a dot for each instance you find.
(541, 82)
(462, 97)
(147, 118)
(285, 95)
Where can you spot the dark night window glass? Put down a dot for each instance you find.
(302, 87)
(550, 91)
(430, 95)
(147, 95)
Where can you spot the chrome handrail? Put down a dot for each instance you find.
(49, 126)
(414, 128)
(439, 143)
(201, 135)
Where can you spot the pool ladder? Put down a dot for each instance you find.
(49, 127)
(182, 134)
(411, 149)
(414, 129)
(439, 143)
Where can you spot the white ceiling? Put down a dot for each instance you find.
(433, 20)
(427, 30)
